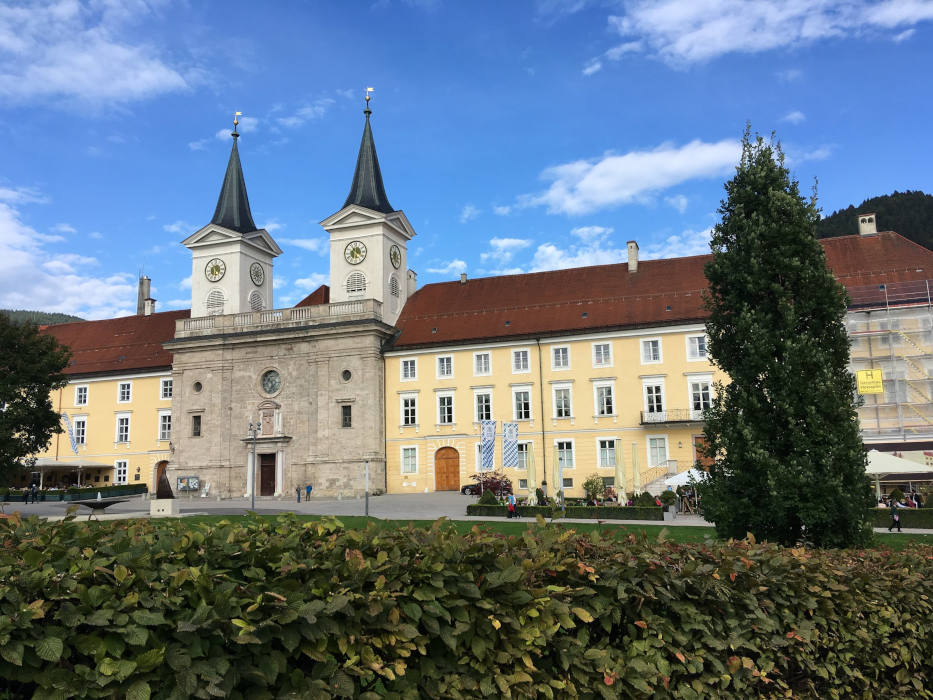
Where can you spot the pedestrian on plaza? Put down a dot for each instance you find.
(510, 500)
(298, 493)
(895, 516)
(307, 493)
(35, 492)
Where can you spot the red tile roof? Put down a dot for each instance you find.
(321, 295)
(577, 300)
(118, 345)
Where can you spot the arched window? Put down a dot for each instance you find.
(393, 286)
(215, 302)
(356, 284)
(255, 301)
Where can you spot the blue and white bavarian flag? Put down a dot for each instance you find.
(510, 445)
(488, 446)
(71, 433)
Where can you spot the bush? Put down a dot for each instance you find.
(488, 498)
(668, 498)
(539, 495)
(896, 495)
(910, 517)
(615, 512)
(497, 482)
(645, 500)
(264, 608)
(594, 487)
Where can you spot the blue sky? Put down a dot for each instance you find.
(516, 136)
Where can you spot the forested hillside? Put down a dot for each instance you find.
(909, 213)
(41, 318)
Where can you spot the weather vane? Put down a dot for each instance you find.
(235, 122)
(368, 98)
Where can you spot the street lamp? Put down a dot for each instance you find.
(253, 429)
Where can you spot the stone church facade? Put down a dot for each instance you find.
(291, 396)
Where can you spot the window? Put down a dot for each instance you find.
(651, 350)
(409, 460)
(165, 426)
(696, 347)
(445, 409)
(409, 410)
(123, 429)
(520, 361)
(215, 302)
(195, 426)
(523, 484)
(609, 481)
(81, 395)
(483, 406)
(604, 404)
(657, 451)
(255, 301)
(699, 395)
(120, 468)
(523, 449)
(80, 431)
(562, 404)
(481, 364)
(607, 453)
(346, 416)
(654, 398)
(124, 392)
(394, 288)
(565, 454)
(560, 358)
(568, 482)
(409, 369)
(445, 367)
(522, 404)
(356, 284)
(602, 355)
(166, 391)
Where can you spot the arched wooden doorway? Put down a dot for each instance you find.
(447, 469)
(161, 485)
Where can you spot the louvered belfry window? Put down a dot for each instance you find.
(356, 284)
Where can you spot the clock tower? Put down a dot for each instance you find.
(231, 259)
(369, 239)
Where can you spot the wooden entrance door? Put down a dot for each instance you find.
(266, 474)
(447, 469)
(699, 444)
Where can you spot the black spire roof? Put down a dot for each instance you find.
(367, 189)
(233, 205)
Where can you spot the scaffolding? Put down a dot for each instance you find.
(890, 328)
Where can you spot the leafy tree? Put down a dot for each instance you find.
(48, 318)
(31, 367)
(594, 487)
(789, 463)
(498, 483)
(909, 213)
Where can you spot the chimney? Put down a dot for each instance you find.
(462, 278)
(632, 256)
(149, 306)
(412, 282)
(142, 294)
(867, 224)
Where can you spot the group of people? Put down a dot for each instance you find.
(911, 499)
(307, 492)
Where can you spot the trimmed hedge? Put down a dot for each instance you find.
(910, 517)
(75, 494)
(594, 512)
(283, 608)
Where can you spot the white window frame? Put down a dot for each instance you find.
(406, 362)
(521, 352)
(166, 383)
(689, 341)
(116, 431)
(599, 452)
(554, 351)
(159, 433)
(479, 459)
(476, 394)
(515, 391)
(523, 462)
(402, 450)
(667, 448)
(607, 384)
(644, 343)
(119, 478)
(520, 486)
(445, 395)
(87, 394)
(129, 392)
(438, 361)
(573, 452)
(691, 380)
(401, 405)
(554, 389)
(654, 381)
(75, 420)
(488, 363)
(601, 343)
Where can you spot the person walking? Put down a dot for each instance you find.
(510, 500)
(35, 492)
(895, 516)
(307, 493)
(298, 493)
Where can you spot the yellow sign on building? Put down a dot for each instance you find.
(869, 381)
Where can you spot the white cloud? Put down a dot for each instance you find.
(594, 66)
(679, 245)
(307, 113)
(96, 235)
(688, 31)
(614, 54)
(279, 283)
(789, 75)
(503, 249)
(469, 213)
(247, 125)
(454, 267)
(315, 245)
(585, 186)
(795, 154)
(273, 225)
(904, 35)
(198, 145)
(591, 234)
(794, 117)
(71, 52)
(185, 283)
(312, 281)
(502, 210)
(22, 195)
(64, 228)
(180, 227)
(678, 201)
(549, 256)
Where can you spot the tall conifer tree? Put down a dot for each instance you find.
(784, 431)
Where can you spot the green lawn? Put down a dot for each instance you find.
(506, 527)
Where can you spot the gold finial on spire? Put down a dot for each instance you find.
(236, 122)
(368, 98)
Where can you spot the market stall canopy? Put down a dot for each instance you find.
(684, 478)
(881, 463)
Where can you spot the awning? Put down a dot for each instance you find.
(683, 478)
(881, 463)
(44, 463)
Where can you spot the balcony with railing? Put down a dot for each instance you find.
(672, 415)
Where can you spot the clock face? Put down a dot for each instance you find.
(271, 382)
(355, 252)
(395, 256)
(215, 269)
(256, 273)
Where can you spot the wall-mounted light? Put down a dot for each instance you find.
(680, 444)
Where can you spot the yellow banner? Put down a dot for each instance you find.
(869, 381)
